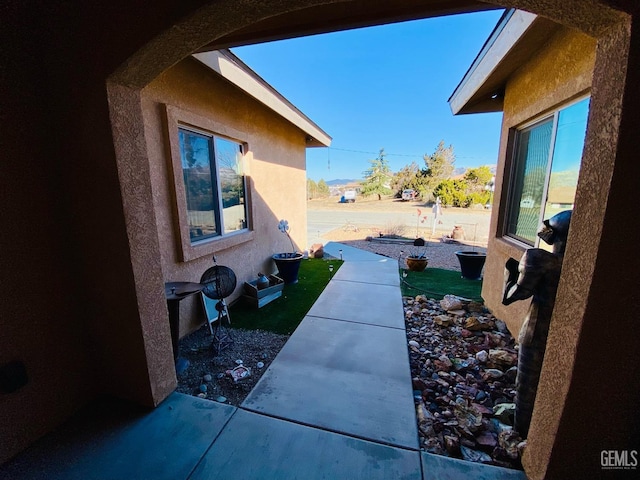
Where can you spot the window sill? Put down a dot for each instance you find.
(215, 245)
(511, 247)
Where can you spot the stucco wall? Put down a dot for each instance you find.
(558, 73)
(275, 167)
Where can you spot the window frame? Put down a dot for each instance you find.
(513, 166)
(177, 119)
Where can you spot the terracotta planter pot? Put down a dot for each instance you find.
(288, 265)
(417, 264)
(471, 264)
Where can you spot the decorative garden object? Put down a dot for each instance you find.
(288, 263)
(536, 275)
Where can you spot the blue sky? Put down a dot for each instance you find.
(383, 87)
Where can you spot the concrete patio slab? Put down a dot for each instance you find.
(254, 446)
(113, 439)
(345, 377)
(384, 272)
(362, 303)
(437, 467)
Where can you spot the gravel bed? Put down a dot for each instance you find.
(206, 375)
(463, 367)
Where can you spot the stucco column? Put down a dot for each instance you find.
(137, 198)
(588, 397)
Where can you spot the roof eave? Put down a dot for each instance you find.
(230, 67)
(516, 37)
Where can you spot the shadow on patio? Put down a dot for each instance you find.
(337, 402)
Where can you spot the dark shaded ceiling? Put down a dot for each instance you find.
(332, 17)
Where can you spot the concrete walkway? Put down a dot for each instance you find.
(346, 368)
(336, 403)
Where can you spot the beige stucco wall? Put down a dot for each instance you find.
(558, 73)
(276, 177)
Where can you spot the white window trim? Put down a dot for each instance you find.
(177, 118)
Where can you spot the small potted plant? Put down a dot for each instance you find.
(417, 261)
(288, 263)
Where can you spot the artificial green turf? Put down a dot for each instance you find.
(285, 313)
(436, 283)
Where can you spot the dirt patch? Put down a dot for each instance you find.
(387, 204)
(369, 217)
(370, 204)
(206, 375)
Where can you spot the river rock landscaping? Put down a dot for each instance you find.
(463, 368)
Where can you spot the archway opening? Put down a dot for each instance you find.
(596, 19)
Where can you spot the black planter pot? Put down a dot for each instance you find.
(471, 264)
(288, 265)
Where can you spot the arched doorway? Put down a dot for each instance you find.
(556, 426)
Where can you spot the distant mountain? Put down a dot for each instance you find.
(341, 181)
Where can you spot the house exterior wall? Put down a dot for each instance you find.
(275, 168)
(560, 72)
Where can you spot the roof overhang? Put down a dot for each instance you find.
(325, 17)
(234, 70)
(515, 39)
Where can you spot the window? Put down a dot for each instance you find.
(545, 170)
(214, 184)
(209, 174)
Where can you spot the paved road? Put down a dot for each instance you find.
(320, 222)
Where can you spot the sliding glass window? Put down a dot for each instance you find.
(545, 170)
(214, 182)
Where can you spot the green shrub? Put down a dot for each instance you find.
(479, 197)
(452, 193)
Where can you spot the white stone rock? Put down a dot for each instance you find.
(451, 302)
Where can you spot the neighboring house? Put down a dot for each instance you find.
(225, 147)
(539, 75)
